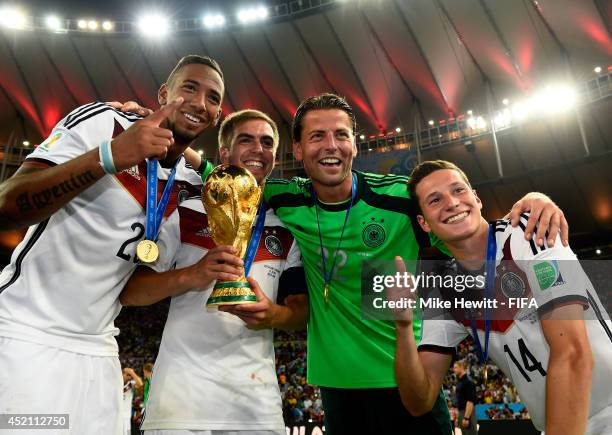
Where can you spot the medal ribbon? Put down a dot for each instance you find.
(155, 212)
(327, 277)
(255, 238)
(489, 283)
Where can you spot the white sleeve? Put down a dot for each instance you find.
(294, 257)
(441, 335)
(65, 143)
(555, 276)
(169, 243)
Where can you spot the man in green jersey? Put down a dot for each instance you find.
(341, 217)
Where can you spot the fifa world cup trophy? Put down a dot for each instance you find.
(231, 198)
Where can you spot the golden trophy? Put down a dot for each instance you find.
(231, 198)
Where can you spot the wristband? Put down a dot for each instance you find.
(106, 158)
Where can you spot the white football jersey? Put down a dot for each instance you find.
(212, 372)
(551, 276)
(61, 288)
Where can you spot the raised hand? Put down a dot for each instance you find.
(395, 295)
(144, 139)
(130, 106)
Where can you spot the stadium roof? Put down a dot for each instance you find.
(399, 63)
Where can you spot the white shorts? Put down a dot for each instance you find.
(211, 432)
(38, 379)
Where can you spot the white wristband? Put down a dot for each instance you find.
(106, 157)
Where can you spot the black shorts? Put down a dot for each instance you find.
(379, 411)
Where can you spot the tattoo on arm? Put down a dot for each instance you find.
(27, 201)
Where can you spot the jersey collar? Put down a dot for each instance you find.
(342, 206)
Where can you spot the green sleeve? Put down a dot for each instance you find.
(205, 168)
(437, 243)
(279, 186)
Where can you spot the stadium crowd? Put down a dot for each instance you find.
(141, 330)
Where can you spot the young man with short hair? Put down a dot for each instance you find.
(215, 373)
(550, 352)
(83, 192)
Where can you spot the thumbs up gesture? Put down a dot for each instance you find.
(144, 139)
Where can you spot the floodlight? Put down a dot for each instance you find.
(53, 23)
(92, 25)
(107, 25)
(553, 99)
(12, 18)
(154, 25)
(252, 14)
(520, 111)
(503, 119)
(213, 21)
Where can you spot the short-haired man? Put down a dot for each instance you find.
(341, 217)
(83, 192)
(215, 373)
(550, 353)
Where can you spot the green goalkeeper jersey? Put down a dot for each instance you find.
(344, 349)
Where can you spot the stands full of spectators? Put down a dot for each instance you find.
(141, 330)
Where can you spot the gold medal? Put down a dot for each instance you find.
(486, 373)
(147, 251)
(326, 292)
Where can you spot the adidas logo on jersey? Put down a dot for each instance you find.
(204, 232)
(133, 171)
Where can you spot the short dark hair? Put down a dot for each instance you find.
(320, 102)
(191, 59)
(426, 168)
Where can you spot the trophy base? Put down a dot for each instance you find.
(231, 293)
